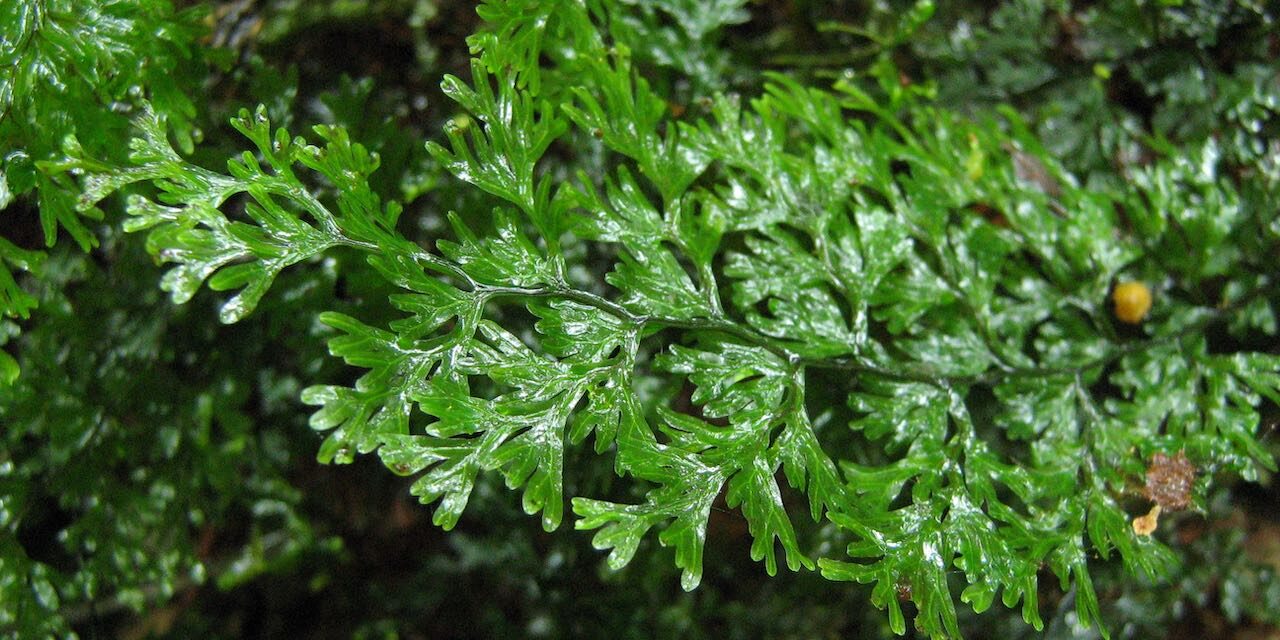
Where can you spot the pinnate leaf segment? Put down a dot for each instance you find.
(855, 243)
(67, 65)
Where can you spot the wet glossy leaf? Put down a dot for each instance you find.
(899, 310)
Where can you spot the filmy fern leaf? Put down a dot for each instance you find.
(883, 250)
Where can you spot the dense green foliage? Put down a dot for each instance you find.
(67, 65)
(860, 301)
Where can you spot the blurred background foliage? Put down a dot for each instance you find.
(157, 475)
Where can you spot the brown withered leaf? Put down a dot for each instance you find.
(1170, 480)
(1029, 169)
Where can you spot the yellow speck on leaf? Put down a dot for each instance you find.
(1132, 300)
(1146, 525)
